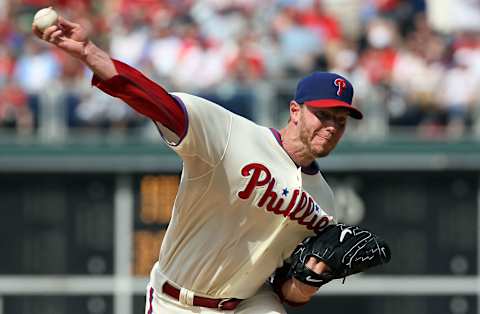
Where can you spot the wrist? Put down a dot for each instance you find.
(295, 291)
(98, 61)
(88, 48)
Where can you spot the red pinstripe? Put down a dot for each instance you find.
(150, 300)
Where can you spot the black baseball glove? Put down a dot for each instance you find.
(345, 249)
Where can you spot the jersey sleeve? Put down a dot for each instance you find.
(208, 129)
(145, 97)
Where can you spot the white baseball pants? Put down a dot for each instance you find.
(265, 301)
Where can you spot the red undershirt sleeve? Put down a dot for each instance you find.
(145, 97)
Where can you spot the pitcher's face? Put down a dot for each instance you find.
(321, 128)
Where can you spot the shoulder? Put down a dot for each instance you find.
(189, 99)
(195, 104)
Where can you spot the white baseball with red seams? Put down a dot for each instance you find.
(45, 18)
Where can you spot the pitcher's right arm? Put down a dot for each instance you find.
(116, 78)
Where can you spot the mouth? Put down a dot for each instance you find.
(324, 137)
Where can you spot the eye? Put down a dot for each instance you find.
(323, 115)
(341, 121)
(326, 116)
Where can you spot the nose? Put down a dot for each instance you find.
(331, 126)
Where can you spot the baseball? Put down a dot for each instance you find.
(44, 18)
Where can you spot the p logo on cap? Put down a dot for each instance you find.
(327, 90)
(341, 84)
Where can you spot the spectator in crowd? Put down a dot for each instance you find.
(200, 62)
(14, 110)
(35, 71)
(457, 93)
(36, 68)
(316, 18)
(165, 42)
(7, 63)
(299, 45)
(129, 39)
(420, 57)
(96, 109)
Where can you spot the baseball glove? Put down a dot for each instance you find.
(347, 250)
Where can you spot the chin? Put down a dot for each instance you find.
(322, 154)
(321, 149)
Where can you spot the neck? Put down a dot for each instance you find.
(295, 148)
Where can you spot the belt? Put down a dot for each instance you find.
(221, 304)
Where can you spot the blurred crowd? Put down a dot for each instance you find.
(405, 73)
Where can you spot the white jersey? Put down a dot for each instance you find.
(242, 205)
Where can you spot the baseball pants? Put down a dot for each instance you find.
(264, 302)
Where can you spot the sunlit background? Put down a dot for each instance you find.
(86, 185)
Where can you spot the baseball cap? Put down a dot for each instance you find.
(326, 90)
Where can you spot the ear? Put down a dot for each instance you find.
(295, 109)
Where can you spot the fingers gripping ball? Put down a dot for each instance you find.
(45, 18)
(345, 249)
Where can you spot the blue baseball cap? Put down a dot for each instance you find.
(326, 90)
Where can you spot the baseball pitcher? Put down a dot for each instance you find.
(249, 195)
